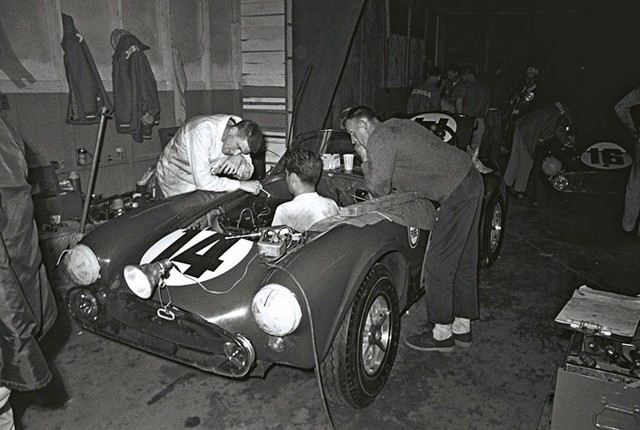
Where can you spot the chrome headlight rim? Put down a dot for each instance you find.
(276, 310)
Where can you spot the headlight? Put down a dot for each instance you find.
(82, 265)
(276, 310)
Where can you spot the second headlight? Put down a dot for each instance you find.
(276, 310)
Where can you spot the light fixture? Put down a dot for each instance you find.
(143, 279)
(82, 265)
(276, 310)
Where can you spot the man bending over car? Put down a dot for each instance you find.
(303, 169)
(210, 153)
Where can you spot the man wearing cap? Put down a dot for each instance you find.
(210, 153)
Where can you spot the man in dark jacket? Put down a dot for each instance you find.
(27, 304)
(135, 93)
(402, 155)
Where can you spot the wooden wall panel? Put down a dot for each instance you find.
(397, 57)
(224, 44)
(187, 35)
(264, 72)
(416, 66)
(263, 69)
(262, 7)
(27, 25)
(263, 33)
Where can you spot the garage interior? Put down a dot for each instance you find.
(292, 66)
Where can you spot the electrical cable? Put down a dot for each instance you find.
(246, 270)
(313, 341)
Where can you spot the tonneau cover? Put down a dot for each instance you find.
(406, 209)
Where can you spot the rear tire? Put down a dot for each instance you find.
(360, 359)
(493, 229)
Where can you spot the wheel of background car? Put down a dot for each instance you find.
(493, 229)
(361, 357)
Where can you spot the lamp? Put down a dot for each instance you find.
(142, 279)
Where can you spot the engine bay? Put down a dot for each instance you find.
(252, 213)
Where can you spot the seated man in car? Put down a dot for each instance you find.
(303, 169)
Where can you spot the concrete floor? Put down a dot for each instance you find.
(505, 381)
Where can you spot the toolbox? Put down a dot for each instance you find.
(598, 387)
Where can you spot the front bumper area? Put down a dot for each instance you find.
(186, 338)
(590, 182)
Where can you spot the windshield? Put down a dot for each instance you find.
(322, 142)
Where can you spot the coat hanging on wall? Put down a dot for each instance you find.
(135, 92)
(87, 95)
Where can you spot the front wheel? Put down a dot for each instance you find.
(493, 229)
(359, 362)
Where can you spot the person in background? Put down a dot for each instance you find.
(498, 103)
(402, 155)
(210, 153)
(426, 96)
(27, 304)
(529, 132)
(628, 111)
(303, 169)
(528, 98)
(474, 102)
(451, 88)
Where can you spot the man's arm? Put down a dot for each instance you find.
(199, 147)
(623, 109)
(239, 166)
(378, 168)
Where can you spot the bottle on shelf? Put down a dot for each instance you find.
(74, 180)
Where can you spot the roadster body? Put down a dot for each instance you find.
(204, 279)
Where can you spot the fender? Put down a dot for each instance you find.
(332, 303)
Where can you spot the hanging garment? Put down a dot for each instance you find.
(135, 93)
(87, 95)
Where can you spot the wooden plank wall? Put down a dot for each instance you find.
(264, 75)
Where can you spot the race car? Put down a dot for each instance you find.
(592, 167)
(204, 279)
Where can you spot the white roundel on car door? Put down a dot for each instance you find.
(438, 120)
(606, 156)
(198, 255)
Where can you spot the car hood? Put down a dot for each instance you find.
(124, 239)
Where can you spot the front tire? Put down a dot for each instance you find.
(360, 359)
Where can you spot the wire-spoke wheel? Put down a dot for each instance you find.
(359, 362)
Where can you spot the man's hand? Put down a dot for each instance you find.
(361, 151)
(252, 187)
(232, 165)
(147, 119)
